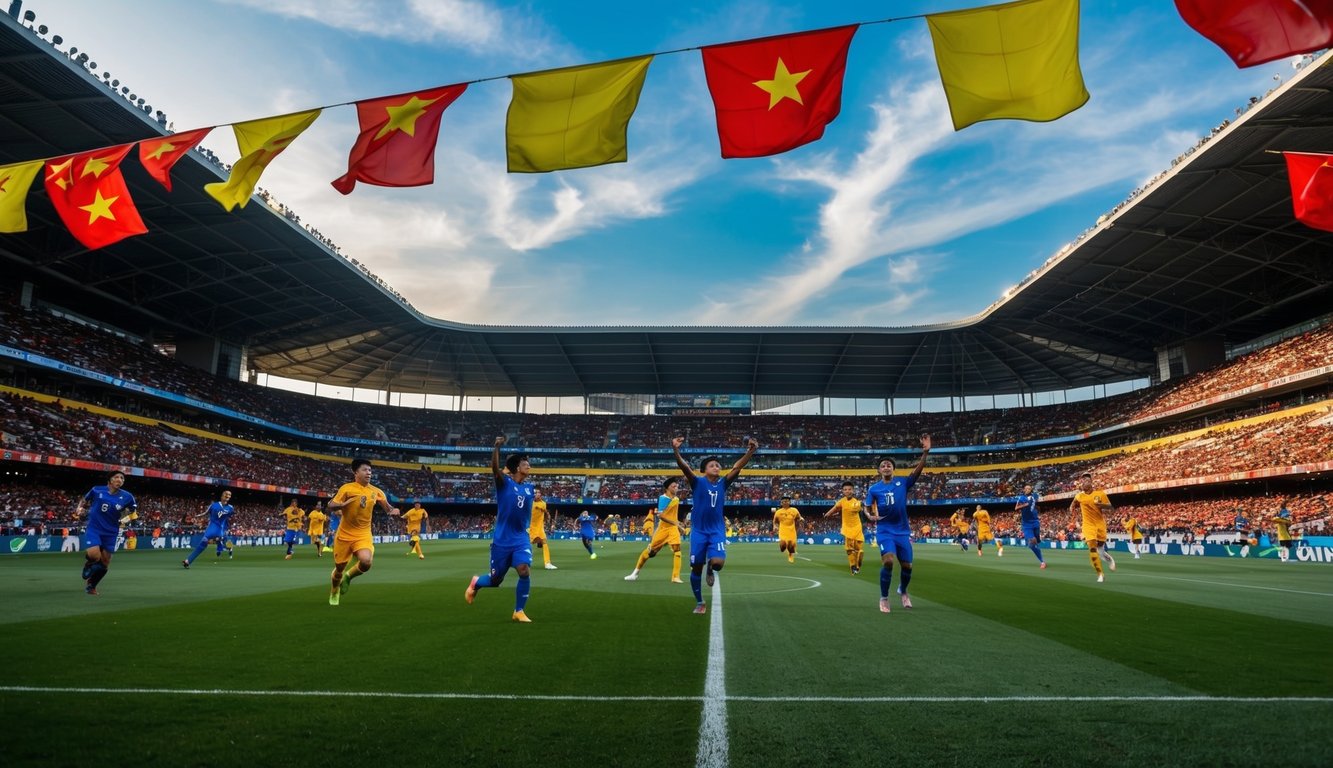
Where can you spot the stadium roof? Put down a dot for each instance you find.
(1211, 250)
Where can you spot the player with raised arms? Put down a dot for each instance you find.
(886, 507)
(219, 512)
(1093, 505)
(708, 542)
(510, 545)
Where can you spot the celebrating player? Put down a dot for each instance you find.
(537, 530)
(1030, 523)
(886, 506)
(667, 531)
(853, 537)
(984, 533)
(709, 542)
(1094, 505)
(355, 502)
(295, 519)
(316, 520)
(416, 525)
(1132, 528)
(219, 512)
(510, 547)
(960, 527)
(109, 507)
(588, 532)
(786, 520)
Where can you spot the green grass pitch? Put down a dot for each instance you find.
(1173, 661)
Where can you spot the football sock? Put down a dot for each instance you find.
(546, 553)
(906, 578)
(697, 584)
(1106, 556)
(354, 571)
(198, 550)
(587, 544)
(88, 567)
(521, 591)
(643, 558)
(675, 564)
(1096, 562)
(96, 574)
(885, 580)
(1036, 550)
(486, 581)
(860, 555)
(851, 558)
(289, 549)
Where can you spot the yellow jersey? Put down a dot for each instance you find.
(1283, 527)
(851, 517)
(356, 516)
(668, 516)
(414, 517)
(959, 521)
(648, 525)
(787, 519)
(614, 527)
(1132, 528)
(983, 520)
(1090, 504)
(316, 520)
(537, 526)
(295, 516)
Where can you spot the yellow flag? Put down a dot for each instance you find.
(573, 118)
(260, 141)
(1017, 61)
(14, 182)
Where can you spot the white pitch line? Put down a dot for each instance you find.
(446, 695)
(1226, 584)
(810, 584)
(713, 746)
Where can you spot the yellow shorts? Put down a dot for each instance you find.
(667, 534)
(315, 534)
(538, 538)
(343, 549)
(854, 542)
(985, 536)
(1093, 533)
(786, 538)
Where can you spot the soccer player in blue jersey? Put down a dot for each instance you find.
(1243, 531)
(510, 545)
(1031, 525)
(886, 507)
(588, 531)
(109, 507)
(219, 512)
(708, 540)
(335, 518)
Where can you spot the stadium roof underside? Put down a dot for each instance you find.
(1212, 250)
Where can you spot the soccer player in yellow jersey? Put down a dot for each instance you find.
(316, 529)
(1093, 505)
(537, 528)
(356, 502)
(667, 531)
(295, 521)
(786, 521)
(853, 535)
(1282, 520)
(984, 533)
(1131, 524)
(416, 518)
(648, 524)
(960, 525)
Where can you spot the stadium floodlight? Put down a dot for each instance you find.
(29, 16)
(57, 39)
(73, 50)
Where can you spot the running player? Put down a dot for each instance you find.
(416, 518)
(648, 526)
(613, 526)
(1093, 505)
(1131, 524)
(334, 520)
(853, 536)
(786, 523)
(218, 513)
(1030, 523)
(667, 531)
(510, 546)
(317, 519)
(1282, 520)
(708, 544)
(355, 503)
(295, 518)
(537, 530)
(109, 507)
(1243, 532)
(960, 526)
(588, 532)
(886, 506)
(984, 533)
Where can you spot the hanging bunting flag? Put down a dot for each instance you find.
(159, 155)
(1256, 31)
(1311, 188)
(260, 141)
(90, 194)
(1016, 61)
(14, 183)
(396, 147)
(778, 93)
(573, 118)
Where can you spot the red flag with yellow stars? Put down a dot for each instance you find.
(159, 155)
(89, 193)
(396, 147)
(775, 94)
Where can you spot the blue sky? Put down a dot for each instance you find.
(892, 219)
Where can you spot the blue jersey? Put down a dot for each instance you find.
(1242, 523)
(513, 513)
(709, 500)
(1028, 512)
(891, 500)
(587, 525)
(106, 508)
(219, 514)
(334, 519)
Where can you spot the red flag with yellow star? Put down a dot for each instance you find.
(396, 147)
(89, 193)
(159, 155)
(777, 93)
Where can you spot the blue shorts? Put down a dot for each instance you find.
(704, 547)
(214, 532)
(897, 544)
(106, 541)
(290, 537)
(1031, 531)
(503, 558)
(587, 535)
